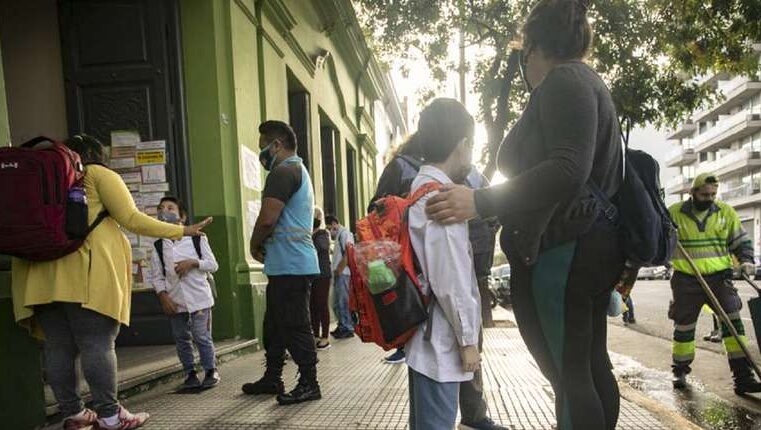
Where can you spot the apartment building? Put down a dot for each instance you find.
(724, 139)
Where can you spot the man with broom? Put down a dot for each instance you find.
(711, 233)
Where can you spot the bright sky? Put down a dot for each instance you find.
(419, 79)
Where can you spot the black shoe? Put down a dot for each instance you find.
(302, 393)
(191, 382)
(264, 386)
(211, 379)
(747, 384)
(485, 424)
(344, 334)
(680, 381)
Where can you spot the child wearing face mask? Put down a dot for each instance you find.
(180, 275)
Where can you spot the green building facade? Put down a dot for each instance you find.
(217, 69)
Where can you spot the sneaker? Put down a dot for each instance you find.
(485, 424)
(125, 420)
(322, 346)
(211, 379)
(344, 334)
(710, 336)
(680, 381)
(395, 358)
(302, 393)
(632, 321)
(746, 385)
(191, 382)
(264, 386)
(716, 338)
(84, 420)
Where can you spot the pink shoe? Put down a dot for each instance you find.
(127, 420)
(84, 420)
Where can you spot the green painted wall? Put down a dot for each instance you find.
(21, 391)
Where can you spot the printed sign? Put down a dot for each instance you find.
(122, 163)
(154, 174)
(252, 176)
(151, 144)
(150, 157)
(154, 188)
(131, 177)
(123, 152)
(124, 138)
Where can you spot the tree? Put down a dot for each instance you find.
(650, 52)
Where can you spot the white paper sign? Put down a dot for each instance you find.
(252, 175)
(124, 138)
(122, 163)
(154, 188)
(131, 177)
(151, 144)
(152, 199)
(252, 213)
(154, 174)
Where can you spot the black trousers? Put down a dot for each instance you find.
(560, 305)
(287, 325)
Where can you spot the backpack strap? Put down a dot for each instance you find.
(159, 247)
(197, 246)
(98, 219)
(424, 189)
(608, 208)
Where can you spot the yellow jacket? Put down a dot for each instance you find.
(99, 274)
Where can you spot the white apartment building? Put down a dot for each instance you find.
(726, 140)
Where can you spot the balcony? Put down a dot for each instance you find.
(681, 156)
(685, 130)
(678, 184)
(727, 130)
(732, 163)
(735, 91)
(741, 196)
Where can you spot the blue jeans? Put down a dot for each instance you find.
(433, 405)
(194, 328)
(341, 302)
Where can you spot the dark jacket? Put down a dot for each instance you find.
(568, 134)
(321, 239)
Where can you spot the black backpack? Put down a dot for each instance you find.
(159, 249)
(648, 233)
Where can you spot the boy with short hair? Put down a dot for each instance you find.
(180, 275)
(444, 350)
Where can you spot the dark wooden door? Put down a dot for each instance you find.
(121, 71)
(328, 140)
(298, 113)
(351, 183)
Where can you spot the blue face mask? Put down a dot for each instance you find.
(170, 217)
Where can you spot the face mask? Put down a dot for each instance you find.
(170, 217)
(316, 223)
(702, 205)
(266, 157)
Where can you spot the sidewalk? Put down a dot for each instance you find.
(361, 392)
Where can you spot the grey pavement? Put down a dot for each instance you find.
(361, 392)
(651, 302)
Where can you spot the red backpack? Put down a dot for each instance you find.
(388, 316)
(43, 207)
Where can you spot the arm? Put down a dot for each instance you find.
(265, 224)
(568, 120)
(446, 253)
(208, 263)
(738, 241)
(118, 201)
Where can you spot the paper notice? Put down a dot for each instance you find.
(252, 213)
(122, 163)
(134, 187)
(154, 188)
(252, 176)
(152, 156)
(131, 177)
(135, 268)
(152, 199)
(124, 138)
(123, 152)
(132, 237)
(154, 174)
(151, 144)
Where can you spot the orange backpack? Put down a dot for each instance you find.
(390, 314)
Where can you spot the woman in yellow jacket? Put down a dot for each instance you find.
(76, 303)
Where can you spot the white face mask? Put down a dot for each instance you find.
(170, 217)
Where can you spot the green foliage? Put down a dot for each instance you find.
(649, 52)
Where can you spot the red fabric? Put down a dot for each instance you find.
(388, 221)
(34, 185)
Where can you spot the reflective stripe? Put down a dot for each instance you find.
(683, 349)
(706, 253)
(732, 346)
(685, 327)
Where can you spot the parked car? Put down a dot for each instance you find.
(653, 273)
(499, 285)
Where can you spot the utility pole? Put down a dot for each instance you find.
(462, 52)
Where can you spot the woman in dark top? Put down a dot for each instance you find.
(318, 302)
(565, 255)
